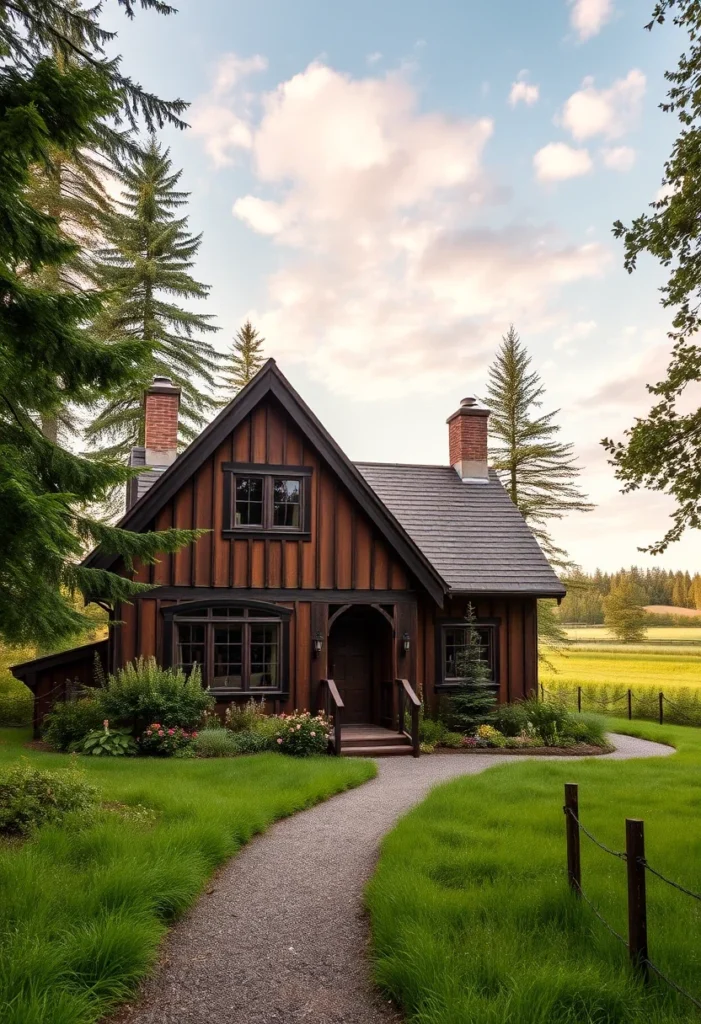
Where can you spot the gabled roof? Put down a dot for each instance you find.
(471, 532)
(271, 381)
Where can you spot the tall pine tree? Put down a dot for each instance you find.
(539, 472)
(46, 358)
(244, 360)
(146, 266)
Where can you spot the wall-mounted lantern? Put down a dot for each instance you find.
(318, 644)
(406, 643)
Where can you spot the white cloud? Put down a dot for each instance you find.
(610, 112)
(619, 158)
(588, 17)
(577, 332)
(388, 284)
(557, 162)
(221, 117)
(522, 91)
(374, 58)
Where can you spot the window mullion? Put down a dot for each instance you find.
(246, 656)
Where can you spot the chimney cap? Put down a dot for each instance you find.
(470, 400)
(162, 386)
(470, 406)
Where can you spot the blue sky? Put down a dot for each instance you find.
(383, 187)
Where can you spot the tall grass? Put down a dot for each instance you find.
(84, 906)
(472, 919)
(681, 705)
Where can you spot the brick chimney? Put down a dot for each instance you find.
(160, 450)
(467, 433)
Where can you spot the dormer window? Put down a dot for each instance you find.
(273, 500)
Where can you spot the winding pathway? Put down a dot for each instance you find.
(280, 937)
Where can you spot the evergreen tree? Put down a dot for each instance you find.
(146, 264)
(46, 359)
(471, 704)
(624, 613)
(662, 450)
(539, 472)
(244, 360)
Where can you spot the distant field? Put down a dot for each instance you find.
(660, 667)
(671, 609)
(601, 634)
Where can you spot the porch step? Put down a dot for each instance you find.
(376, 750)
(390, 739)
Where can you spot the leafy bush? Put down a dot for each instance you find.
(254, 742)
(586, 729)
(427, 748)
(452, 740)
(142, 692)
(302, 735)
(163, 740)
(468, 707)
(215, 743)
(431, 731)
(70, 721)
(29, 797)
(510, 719)
(491, 736)
(548, 718)
(106, 742)
(246, 717)
(16, 702)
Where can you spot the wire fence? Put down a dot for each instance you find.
(637, 868)
(678, 706)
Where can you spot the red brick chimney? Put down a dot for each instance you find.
(467, 434)
(161, 404)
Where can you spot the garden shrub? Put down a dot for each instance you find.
(431, 731)
(452, 739)
(215, 743)
(254, 742)
(106, 742)
(143, 692)
(586, 729)
(548, 718)
(16, 702)
(468, 707)
(302, 735)
(163, 740)
(490, 736)
(510, 719)
(30, 797)
(70, 721)
(246, 717)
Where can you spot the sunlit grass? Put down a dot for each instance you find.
(621, 668)
(83, 908)
(471, 915)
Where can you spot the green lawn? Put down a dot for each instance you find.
(664, 670)
(472, 918)
(83, 908)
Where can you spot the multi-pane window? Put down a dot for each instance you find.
(249, 501)
(454, 641)
(263, 498)
(237, 648)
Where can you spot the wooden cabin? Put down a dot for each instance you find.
(321, 582)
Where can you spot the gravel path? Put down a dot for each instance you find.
(280, 937)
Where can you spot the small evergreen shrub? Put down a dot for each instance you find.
(70, 721)
(16, 702)
(30, 797)
(143, 692)
(215, 743)
(468, 708)
(302, 735)
(106, 742)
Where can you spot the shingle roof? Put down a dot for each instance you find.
(470, 532)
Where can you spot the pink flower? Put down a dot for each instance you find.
(148, 732)
(279, 739)
(106, 722)
(171, 732)
(312, 734)
(194, 735)
(299, 727)
(161, 733)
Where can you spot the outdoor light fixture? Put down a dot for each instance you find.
(318, 642)
(406, 643)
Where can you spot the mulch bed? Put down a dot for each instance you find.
(40, 745)
(580, 750)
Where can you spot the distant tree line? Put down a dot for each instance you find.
(586, 597)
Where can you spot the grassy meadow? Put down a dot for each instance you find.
(472, 918)
(84, 904)
(623, 667)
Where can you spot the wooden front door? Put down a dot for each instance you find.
(350, 666)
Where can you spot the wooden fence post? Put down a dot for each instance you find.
(661, 708)
(637, 907)
(579, 699)
(574, 863)
(630, 704)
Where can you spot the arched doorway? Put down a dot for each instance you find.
(360, 662)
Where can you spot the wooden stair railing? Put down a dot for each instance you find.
(406, 694)
(332, 704)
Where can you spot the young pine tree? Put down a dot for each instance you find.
(244, 360)
(539, 472)
(470, 705)
(146, 267)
